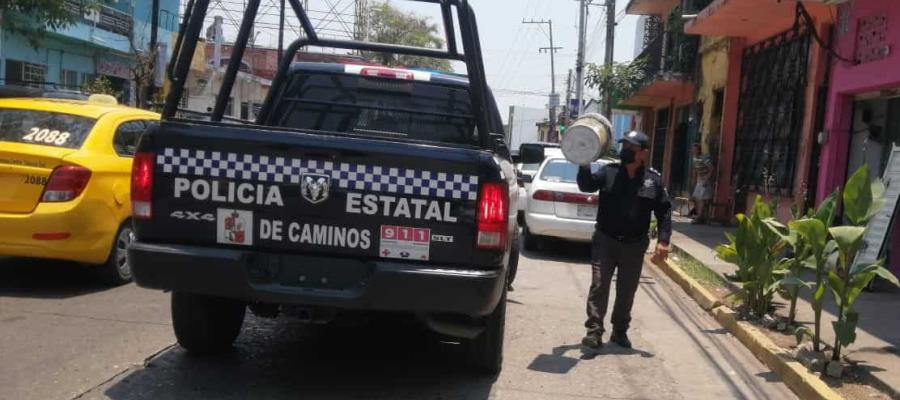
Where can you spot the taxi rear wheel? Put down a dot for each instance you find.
(117, 268)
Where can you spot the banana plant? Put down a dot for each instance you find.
(793, 264)
(755, 249)
(813, 232)
(863, 199)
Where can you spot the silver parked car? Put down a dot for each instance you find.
(556, 208)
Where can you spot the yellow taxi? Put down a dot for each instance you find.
(65, 168)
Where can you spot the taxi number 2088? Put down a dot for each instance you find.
(35, 180)
(47, 136)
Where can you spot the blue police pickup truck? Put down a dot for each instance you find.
(359, 188)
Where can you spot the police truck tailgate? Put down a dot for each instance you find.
(313, 193)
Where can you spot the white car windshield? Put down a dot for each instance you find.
(529, 168)
(563, 171)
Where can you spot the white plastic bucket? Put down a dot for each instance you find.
(587, 139)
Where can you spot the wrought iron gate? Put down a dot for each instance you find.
(770, 116)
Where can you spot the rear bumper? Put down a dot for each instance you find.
(89, 226)
(316, 281)
(563, 228)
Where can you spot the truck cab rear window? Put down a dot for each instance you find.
(378, 107)
(44, 128)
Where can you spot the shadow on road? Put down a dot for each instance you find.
(46, 279)
(561, 251)
(276, 359)
(561, 361)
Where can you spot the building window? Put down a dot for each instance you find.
(25, 73)
(34, 73)
(87, 79)
(68, 79)
(245, 110)
(184, 99)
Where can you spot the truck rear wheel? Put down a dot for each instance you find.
(532, 242)
(486, 351)
(205, 324)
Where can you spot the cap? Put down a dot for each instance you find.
(638, 138)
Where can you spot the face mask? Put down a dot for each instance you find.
(627, 156)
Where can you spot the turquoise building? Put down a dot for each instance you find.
(101, 43)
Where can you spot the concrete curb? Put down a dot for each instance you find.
(796, 376)
(693, 288)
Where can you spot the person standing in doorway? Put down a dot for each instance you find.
(629, 193)
(703, 190)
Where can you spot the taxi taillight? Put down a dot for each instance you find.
(66, 183)
(142, 185)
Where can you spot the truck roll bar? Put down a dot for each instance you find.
(195, 13)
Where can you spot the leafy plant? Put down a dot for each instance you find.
(620, 79)
(813, 233)
(863, 199)
(33, 18)
(755, 248)
(101, 85)
(793, 264)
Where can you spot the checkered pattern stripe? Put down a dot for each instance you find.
(369, 178)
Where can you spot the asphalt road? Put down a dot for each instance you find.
(62, 337)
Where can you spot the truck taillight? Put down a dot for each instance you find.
(66, 183)
(142, 185)
(493, 216)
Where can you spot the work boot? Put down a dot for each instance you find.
(621, 339)
(592, 341)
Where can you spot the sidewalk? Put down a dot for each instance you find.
(877, 346)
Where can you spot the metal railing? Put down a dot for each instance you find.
(672, 55)
(105, 17)
(691, 7)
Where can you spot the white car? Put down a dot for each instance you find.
(556, 208)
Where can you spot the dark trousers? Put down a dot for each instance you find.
(607, 256)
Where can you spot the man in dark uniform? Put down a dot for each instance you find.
(629, 192)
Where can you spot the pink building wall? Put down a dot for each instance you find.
(848, 80)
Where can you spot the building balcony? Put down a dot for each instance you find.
(668, 71)
(104, 27)
(651, 7)
(662, 8)
(754, 20)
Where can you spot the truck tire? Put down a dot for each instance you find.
(486, 351)
(513, 263)
(116, 270)
(205, 324)
(532, 242)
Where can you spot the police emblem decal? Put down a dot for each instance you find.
(234, 227)
(315, 187)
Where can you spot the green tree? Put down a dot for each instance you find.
(389, 25)
(620, 79)
(101, 85)
(34, 18)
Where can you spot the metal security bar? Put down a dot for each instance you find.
(195, 12)
(770, 114)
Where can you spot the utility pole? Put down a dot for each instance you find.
(554, 97)
(610, 42)
(579, 63)
(568, 94)
(281, 33)
(154, 27)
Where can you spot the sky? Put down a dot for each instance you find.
(517, 72)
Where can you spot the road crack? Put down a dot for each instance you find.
(124, 321)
